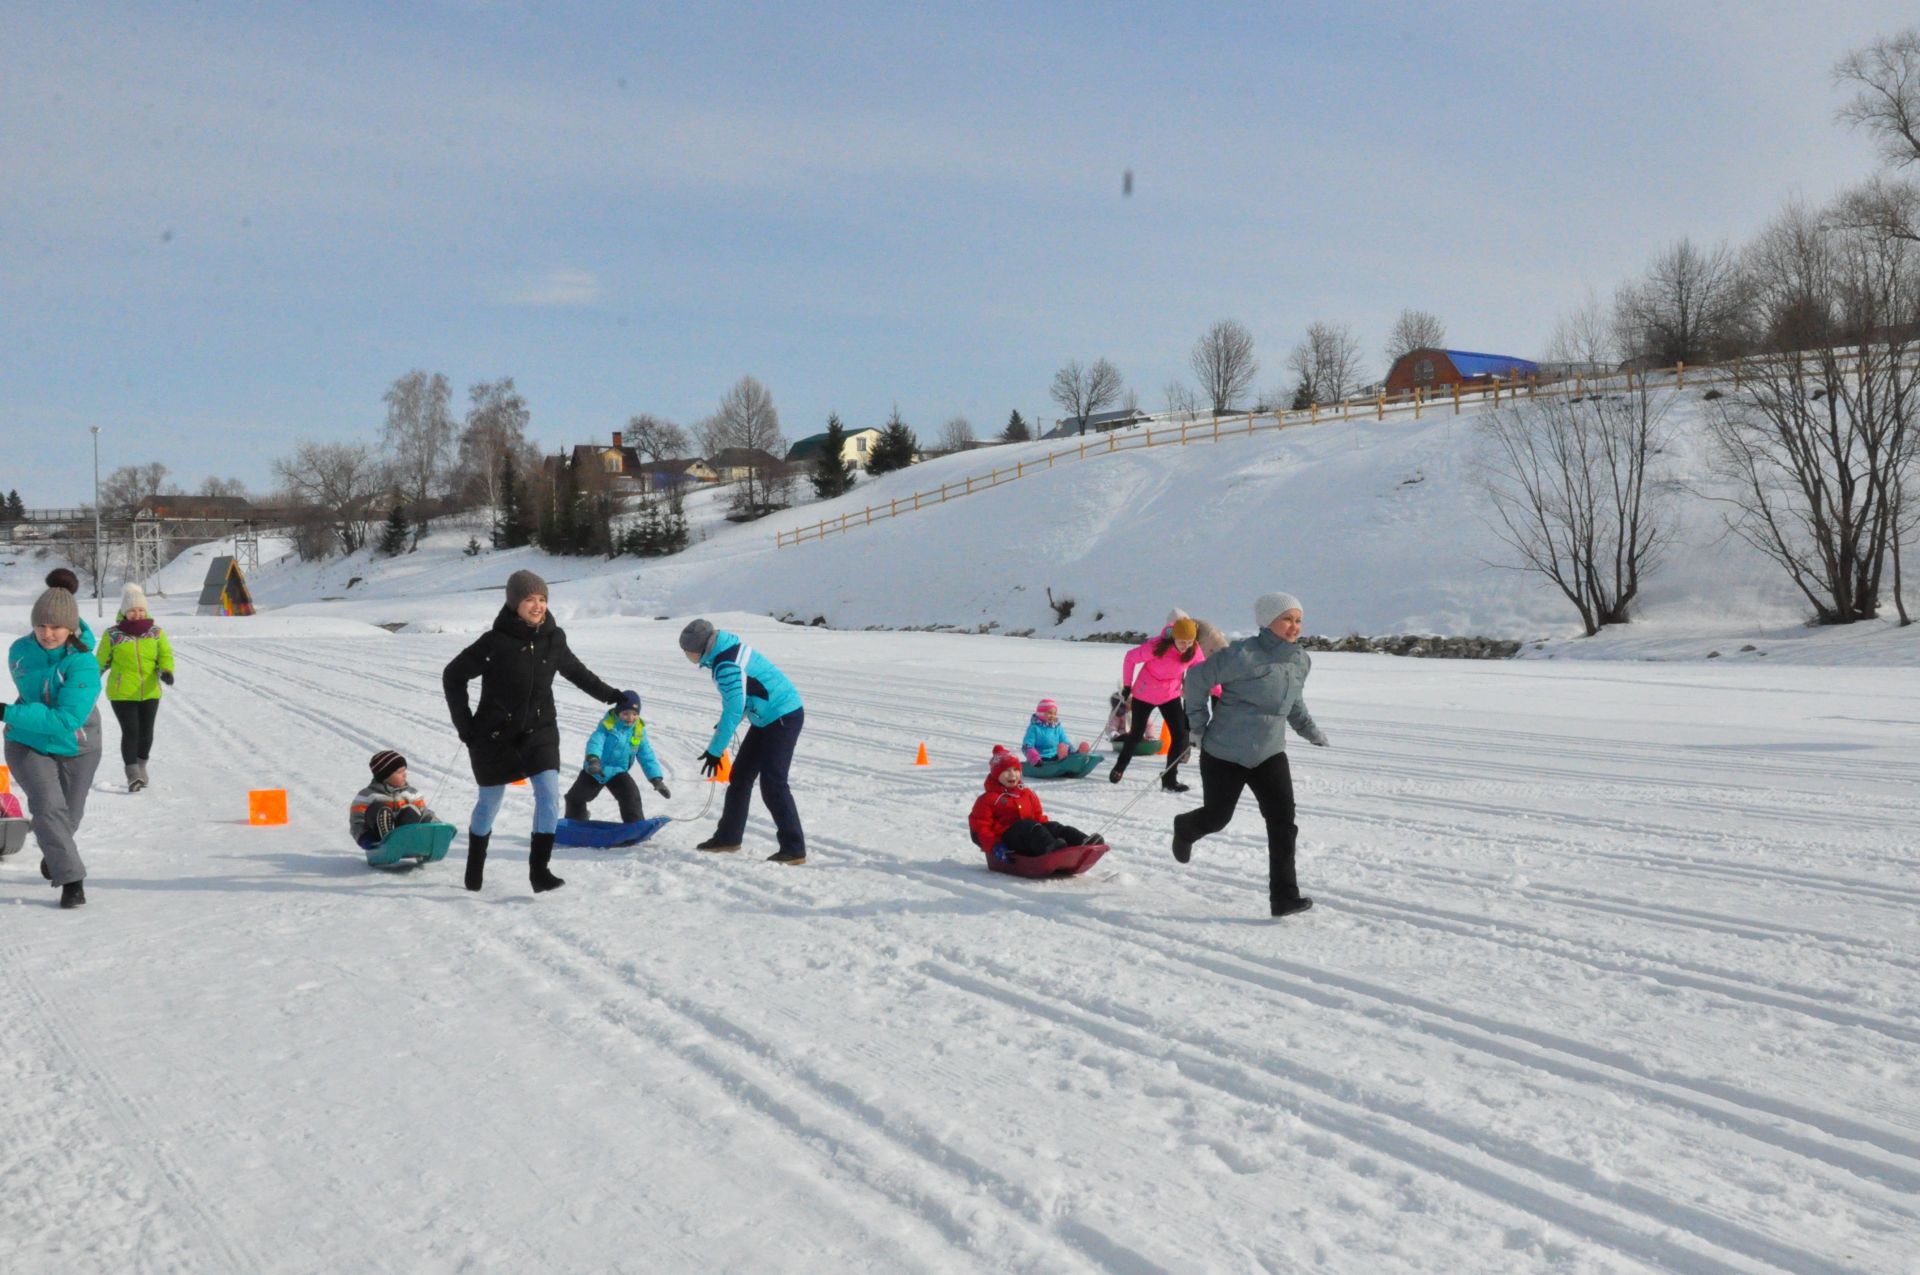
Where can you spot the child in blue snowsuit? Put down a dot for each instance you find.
(620, 740)
(750, 686)
(1046, 738)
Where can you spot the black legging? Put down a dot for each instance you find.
(624, 790)
(1221, 783)
(1174, 714)
(136, 728)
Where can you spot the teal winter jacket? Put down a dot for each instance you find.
(760, 691)
(57, 691)
(617, 746)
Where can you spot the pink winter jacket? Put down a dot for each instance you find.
(1160, 675)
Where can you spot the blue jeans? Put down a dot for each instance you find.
(765, 755)
(546, 805)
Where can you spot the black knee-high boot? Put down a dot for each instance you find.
(476, 858)
(1283, 889)
(538, 857)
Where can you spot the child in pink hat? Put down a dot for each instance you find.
(1046, 738)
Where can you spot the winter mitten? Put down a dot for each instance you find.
(660, 786)
(1085, 747)
(709, 764)
(380, 821)
(166, 677)
(1033, 756)
(593, 767)
(1318, 739)
(1060, 750)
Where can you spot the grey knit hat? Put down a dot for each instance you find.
(57, 609)
(522, 585)
(696, 637)
(1269, 607)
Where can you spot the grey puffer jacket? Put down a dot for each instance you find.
(1262, 680)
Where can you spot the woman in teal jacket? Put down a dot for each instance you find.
(750, 686)
(50, 747)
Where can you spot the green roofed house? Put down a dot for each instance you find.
(859, 445)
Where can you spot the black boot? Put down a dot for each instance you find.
(1170, 782)
(1282, 888)
(1182, 844)
(715, 844)
(538, 857)
(73, 895)
(476, 858)
(1287, 907)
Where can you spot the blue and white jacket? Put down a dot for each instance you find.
(57, 692)
(617, 747)
(759, 691)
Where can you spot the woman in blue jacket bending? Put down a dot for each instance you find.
(752, 687)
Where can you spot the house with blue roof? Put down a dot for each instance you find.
(1430, 370)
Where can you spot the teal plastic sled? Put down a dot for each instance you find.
(1149, 746)
(426, 842)
(1072, 766)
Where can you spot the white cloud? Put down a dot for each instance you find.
(562, 286)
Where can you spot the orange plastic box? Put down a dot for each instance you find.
(267, 806)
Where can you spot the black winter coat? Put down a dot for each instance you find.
(513, 733)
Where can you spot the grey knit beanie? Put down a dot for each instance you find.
(696, 637)
(522, 585)
(57, 609)
(1269, 607)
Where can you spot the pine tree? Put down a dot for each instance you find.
(895, 448)
(510, 530)
(832, 476)
(393, 540)
(1016, 430)
(473, 546)
(1303, 395)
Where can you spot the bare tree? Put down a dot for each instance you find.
(1819, 445)
(655, 438)
(122, 490)
(496, 428)
(1575, 495)
(1327, 361)
(1584, 337)
(748, 420)
(228, 488)
(1883, 207)
(1886, 103)
(1083, 391)
(956, 435)
(418, 440)
(340, 482)
(1223, 361)
(1415, 330)
(1689, 307)
(1181, 400)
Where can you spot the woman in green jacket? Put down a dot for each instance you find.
(136, 658)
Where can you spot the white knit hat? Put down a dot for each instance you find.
(1269, 607)
(131, 597)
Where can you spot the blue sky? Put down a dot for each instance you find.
(227, 227)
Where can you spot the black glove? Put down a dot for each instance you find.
(660, 786)
(709, 764)
(593, 767)
(166, 677)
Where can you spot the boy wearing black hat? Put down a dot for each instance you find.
(387, 803)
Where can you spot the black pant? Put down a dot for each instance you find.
(765, 754)
(1032, 838)
(136, 728)
(1174, 714)
(1272, 784)
(624, 791)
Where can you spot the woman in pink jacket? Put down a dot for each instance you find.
(1153, 677)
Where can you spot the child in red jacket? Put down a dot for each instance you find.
(1007, 817)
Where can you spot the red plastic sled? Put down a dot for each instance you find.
(1068, 861)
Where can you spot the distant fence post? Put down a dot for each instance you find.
(1380, 406)
(1680, 374)
(1456, 398)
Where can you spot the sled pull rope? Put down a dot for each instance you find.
(1116, 816)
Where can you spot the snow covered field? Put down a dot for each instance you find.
(1612, 970)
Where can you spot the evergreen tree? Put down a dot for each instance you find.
(895, 448)
(393, 540)
(510, 529)
(1303, 394)
(473, 546)
(1016, 430)
(832, 476)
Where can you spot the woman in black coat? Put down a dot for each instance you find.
(513, 733)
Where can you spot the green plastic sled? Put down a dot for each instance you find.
(1149, 746)
(1072, 766)
(426, 842)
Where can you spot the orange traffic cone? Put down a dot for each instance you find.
(267, 806)
(921, 759)
(725, 773)
(518, 783)
(1166, 740)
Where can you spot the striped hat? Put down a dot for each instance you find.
(1046, 706)
(385, 762)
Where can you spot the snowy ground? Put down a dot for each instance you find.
(1612, 970)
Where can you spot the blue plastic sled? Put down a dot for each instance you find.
(426, 842)
(1072, 766)
(602, 834)
(1067, 861)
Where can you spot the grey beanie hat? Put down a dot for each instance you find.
(1269, 607)
(696, 637)
(57, 609)
(522, 585)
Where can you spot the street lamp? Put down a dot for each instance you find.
(98, 565)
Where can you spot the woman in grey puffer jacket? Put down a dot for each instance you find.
(1243, 741)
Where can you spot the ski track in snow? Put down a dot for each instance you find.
(1571, 1000)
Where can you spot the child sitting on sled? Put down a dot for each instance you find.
(387, 803)
(1046, 738)
(620, 740)
(1008, 814)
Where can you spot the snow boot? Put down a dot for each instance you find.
(73, 895)
(1287, 907)
(1172, 785)
(717, 845)
(1182, 844)
(538, 857)
(134, 781)
(788, 856)
(476, 858)
(143, 772)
